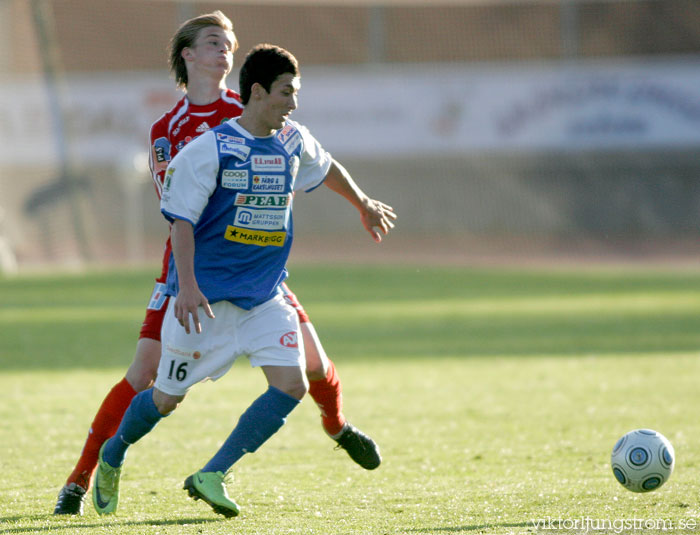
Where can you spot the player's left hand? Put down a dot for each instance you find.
(378, 218)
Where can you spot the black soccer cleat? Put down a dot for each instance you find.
(70, 500)
(359, 446)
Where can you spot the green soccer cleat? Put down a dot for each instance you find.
(210, 487)
(105, 489)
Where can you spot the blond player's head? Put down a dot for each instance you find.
(201, 39)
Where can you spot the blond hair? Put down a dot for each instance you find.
(186, 35)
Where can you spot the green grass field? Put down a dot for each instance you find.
(496, 397)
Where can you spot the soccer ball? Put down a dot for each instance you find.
(642, 460)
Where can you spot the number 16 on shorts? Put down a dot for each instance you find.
(178, 363)
(177, 371)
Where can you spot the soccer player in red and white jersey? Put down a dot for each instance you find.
(201, 56)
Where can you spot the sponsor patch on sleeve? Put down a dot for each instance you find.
(158, 297)
(293, 143)
(286, 133)
(161, 149)
(168, 178)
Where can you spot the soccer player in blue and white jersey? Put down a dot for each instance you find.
(229, 197)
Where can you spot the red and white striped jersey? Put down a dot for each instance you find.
(182, 124)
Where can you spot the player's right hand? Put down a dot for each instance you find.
(187, 304)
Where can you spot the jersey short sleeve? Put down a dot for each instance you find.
(314, 162)
(190, 180)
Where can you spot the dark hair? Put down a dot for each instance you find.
(263, 64)
(186, 35)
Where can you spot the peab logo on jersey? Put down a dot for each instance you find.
(268, 163)
(289, 339)
(263, 201)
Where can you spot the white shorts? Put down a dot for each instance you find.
(267, 334)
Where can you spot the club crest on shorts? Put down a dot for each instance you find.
(289, 339)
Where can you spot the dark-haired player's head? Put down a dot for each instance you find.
(263, 65)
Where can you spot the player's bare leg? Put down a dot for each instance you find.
(139, 377)
(326, 390)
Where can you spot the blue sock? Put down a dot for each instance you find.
(139, 419)
(259, 422)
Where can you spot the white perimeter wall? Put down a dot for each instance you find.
(392, 111)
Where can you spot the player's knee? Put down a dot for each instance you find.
(144, 368)
(317, 372)
(141, 380)
(166, 403)
(289, 379)
(298, 390)
(316, 361)
(295, 388)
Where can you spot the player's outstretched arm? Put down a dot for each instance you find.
(189, 297)
(376, 216)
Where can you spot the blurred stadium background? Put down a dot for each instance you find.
(500, 130)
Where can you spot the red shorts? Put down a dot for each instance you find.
(158, 304)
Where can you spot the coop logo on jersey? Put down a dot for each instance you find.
(268, 183)
(293, 143)
(261, 219)
(239, 151)
(229, 139)
(263, 201)
(234, 178)
(268, 163)
(286, 133)
(255, 237)
(289, 339)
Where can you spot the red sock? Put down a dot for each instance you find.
(105, 424)
(328, 395)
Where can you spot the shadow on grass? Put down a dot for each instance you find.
(55, 523)
(464, 529)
